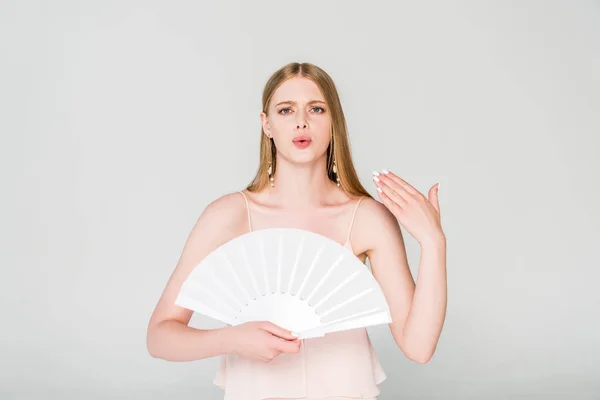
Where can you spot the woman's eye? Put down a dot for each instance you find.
(322, 110)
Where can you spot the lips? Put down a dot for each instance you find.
(302, 138)
(302, 141)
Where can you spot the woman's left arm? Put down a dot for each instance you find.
(418, 310)
(423, 325)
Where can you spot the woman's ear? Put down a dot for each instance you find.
(265, 124)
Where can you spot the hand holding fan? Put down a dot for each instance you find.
(294, 278)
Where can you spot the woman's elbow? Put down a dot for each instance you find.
(151, 341)
(421, 359)
(417, 356)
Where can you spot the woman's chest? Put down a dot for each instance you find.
(336, 227)
(331, 225)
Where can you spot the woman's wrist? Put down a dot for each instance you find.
(227, 342)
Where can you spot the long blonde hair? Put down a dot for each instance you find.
(340, 150)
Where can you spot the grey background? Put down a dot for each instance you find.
(122, 120)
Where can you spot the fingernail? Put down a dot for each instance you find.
(376, 179)
(295, 334)
(375, 173)
(385, 171)
(379, 189)
(438, 186)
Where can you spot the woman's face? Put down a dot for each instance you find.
(298, 111)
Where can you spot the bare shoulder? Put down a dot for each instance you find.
(376, 225)
(225, 212)
(375, 214)
(221, 220)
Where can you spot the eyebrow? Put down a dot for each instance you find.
(293, 102)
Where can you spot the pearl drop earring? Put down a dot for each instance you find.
(269, 171)
(337, 178)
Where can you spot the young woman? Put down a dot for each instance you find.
(306, 180)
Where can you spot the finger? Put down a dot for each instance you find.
(395, 178)
(433, 197)
(277, 330)
(271, 356)
(396, 187)
(287, 346)
(389, 203)
(393, 195)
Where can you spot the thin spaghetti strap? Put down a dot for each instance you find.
(353, 215)
(247, 210)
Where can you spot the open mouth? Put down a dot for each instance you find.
(302, 138)
(302, 142)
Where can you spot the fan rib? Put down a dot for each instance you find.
(235, 276)
(264, 266)
(196, 306)
(335, 321)
(279, 253)
(324, 278)
(226, 290)
(295, 267)
(190, 286)
(348, 301)
(341, 285)
(310, 270)
(250, 270)
(210, 294)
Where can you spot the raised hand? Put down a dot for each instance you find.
(419, 215)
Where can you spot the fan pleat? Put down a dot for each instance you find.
(245, 260)
(226, 291)
(346, 302)
(229, 267)
(337, 288)
(264, 266)
(324, 278)
(352, 316)
(295, 267)
(310, 270)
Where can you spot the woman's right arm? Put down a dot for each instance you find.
(169, 337)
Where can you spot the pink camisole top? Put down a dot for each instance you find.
(339, 365)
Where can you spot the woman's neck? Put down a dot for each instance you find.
(302, 186)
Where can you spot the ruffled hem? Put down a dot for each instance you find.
(341, 364)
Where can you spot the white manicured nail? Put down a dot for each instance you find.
(379, 189)
(385, 171)
(295, 334)
(375, 173)
(376, 179)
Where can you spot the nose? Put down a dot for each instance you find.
(300, 121)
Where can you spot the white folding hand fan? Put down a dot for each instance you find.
(294, 278)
